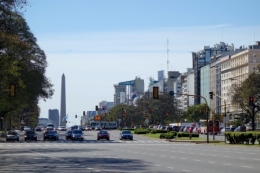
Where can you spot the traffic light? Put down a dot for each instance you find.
(150, 110)
(12, 90)
(76, 116)
(66, 121)
(251, 101)
(167, 114)
(96, 108)
(84, 113)
(211, 95)
(155, 92)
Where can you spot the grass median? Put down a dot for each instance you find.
(156, 135)
(192, 139)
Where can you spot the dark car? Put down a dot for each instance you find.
(68, 134)
(103, 135)
(126, 134)
(51, 135)
(38, 128)
(12, 135)
(77, 134)
(30, 135)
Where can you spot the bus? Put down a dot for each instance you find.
(213, 127)
(104, 124)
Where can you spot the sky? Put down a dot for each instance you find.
(99, 43)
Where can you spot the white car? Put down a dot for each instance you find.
(26, 128)
(62, 128)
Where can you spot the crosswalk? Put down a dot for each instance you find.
(90, 141)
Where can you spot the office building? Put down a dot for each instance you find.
(54, 116)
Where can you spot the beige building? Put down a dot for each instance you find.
(235, 70)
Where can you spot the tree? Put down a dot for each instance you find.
(21, 62)
(240, 93)
(195, 113)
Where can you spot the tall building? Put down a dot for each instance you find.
(63, 102)
(201, 59)
(54, 116)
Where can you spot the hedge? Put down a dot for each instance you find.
(242, 137)
(169, 135)
(141, 131)
(186, 134)
(127, 129)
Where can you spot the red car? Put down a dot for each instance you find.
(102, 134)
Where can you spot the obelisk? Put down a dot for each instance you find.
(63, 102)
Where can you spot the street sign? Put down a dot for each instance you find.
(171, 93)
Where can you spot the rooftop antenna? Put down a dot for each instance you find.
(167, 56)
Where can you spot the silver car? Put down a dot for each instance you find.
(12, 135)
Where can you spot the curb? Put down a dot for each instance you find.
(197, 142)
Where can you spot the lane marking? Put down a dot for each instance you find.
(183, 158)
(173, 157)
(186, 170)
(241, 158)
(247, 166)
(170, 167)
(256, 159)
(90, 168)
(211, 162)
(226, 156)
(196, 160)
(156, 165)
(227, 164)
(213, 155)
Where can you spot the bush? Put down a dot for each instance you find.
(127, 129)
(141, 131)
(186, 134)
(161, 131)
(242, 137)
(169, 135)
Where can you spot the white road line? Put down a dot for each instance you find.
(246, 166)
(156, 165)
(227, 164)
(213, 155)
(170, 167)
(183, 158)
(151, 154)
(241, 158)
(186, 170)
(143, 153)
(211, 162)
(90, 168)
(173, 157)
(196, 160)
(226, 156)
(202, 154)
(256, 159)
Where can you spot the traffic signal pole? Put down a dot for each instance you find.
(207, 112)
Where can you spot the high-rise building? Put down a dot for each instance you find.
(54, 116)
(63, 102)
(201, 59)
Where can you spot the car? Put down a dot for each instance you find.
(68, 134)
(103, 134)
(88, 128)
(47, 129)
(51, 135)
(98, 128)
(62, 128)
(38, 128)
(75, 127)
(77, 134)
(126, 134)
(225, 130)
(12, 135)
(26, 128)
(30, 135)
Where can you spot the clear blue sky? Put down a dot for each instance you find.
(98, 43)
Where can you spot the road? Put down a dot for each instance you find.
(143, 154)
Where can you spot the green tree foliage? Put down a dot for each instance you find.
(22, 63)
(249, 88)
(195, 113)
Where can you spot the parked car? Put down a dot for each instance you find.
(88, 128)
(68, 134)
(181, 128)
(186, 129)
(102, 134)
(62, 128)
(225, 130)
(77, 134)
(196, 130)
(30, 135)
(51, 135)
(126, 134)
(12, 135)
(190, 130)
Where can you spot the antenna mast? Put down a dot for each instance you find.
(167, 56)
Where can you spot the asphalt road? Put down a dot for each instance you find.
(140, 155)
